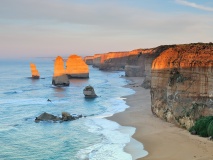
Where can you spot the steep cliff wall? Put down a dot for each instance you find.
(97, 60)
(113, 60)
(140, 65)
(182, 83)
(88, 60)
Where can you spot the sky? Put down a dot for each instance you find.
(48, 28)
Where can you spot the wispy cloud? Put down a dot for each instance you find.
(194, 5)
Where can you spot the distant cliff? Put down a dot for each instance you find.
(113, 61)
(182, 83)
(88, 60)
(140, 65)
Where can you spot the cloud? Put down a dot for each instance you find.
(63, 26)
(194, 5)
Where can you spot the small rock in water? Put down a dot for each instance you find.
(89, 92)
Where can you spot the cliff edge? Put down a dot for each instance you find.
(182, 83)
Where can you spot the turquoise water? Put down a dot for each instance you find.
(22, 99)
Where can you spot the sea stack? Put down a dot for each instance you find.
(60, 78)
(34, 71)
(89, 92)
(76, 67)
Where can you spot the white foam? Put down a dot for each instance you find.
(114, 139)
(116, 105)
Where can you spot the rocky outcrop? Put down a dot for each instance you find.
(88, 60)
(76, 67)
(60, 78)
(182, 83)
(34, 71)
(89, 92)
(49, 117)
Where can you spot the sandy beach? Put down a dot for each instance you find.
(162, 140)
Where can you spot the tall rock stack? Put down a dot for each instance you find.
(76, 67)
(60, 78)
(34, 71)
(182, 83)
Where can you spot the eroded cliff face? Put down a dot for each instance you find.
(76, 67)
(97, 60)
(113, 61)
(88, 60)
(139, 65)
(182, 83)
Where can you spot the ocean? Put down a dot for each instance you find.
(90, 138)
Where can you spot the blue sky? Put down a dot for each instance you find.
(34, 28)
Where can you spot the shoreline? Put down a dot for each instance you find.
(162, 140)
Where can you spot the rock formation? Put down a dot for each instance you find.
(139, 65)
(60, 78)
(89, 92)
(34, 71)
(76, 67)
(182, 83)
(88, 60)
(49, 117)
(97, 60)
(113, 61)
(46, 117)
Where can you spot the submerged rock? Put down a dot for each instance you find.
(65, 117)
(60, 78)
(89, 92)
(34, 71)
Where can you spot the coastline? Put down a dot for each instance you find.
(162, 140)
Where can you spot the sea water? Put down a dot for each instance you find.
(93, 137)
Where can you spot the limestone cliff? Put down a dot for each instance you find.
(88, 60)
(97, 60)
(76, 67)
(113, 61)
(182, 83)
(140, 65)
(34, 71)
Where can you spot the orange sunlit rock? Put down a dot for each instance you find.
(59, 77)
(34, 71)
(182, 78)
(76, 67)
(113, 60)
